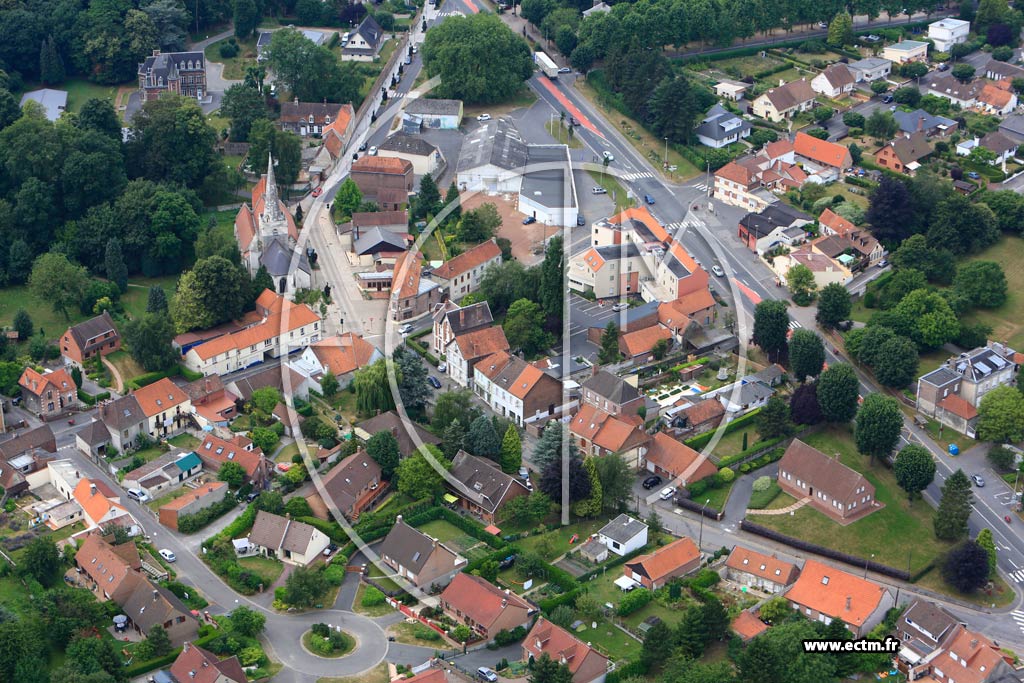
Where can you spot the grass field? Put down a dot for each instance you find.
(882, 533)
(416, 634)
(348, 642)
(718, 497)
(125, 364)
(186, 441)
(455, 538)
(378, 674)
(1007, 321)
(234, 67)
(12, 299)
(561, 134)
(266, 568)
(81, 91)
(746, 66)
(374, 611)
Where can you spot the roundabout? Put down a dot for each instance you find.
(329, 643)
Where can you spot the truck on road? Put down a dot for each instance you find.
(549, 68)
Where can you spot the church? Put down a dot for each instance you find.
(267, 236)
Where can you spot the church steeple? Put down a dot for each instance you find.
(271, 205)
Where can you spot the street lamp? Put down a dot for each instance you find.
(665, 161)
(866, 565)
(700, 535)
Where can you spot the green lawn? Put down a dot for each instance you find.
(268, 569)
(746, 66)
(882, 533)
(376, 610)
(81, 91)
(185, 441)
(944, 436)
(377, 575)
(137, 296)
(127, 366)
(611, 641)
(234, 68)
(718, 497)
(731, 444)
(417, 634)
(286, 453)
(561, 134)
(560, 536)
(455, 538)
(1007, 321)
(12, 299)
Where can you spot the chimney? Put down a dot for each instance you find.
(398, 519)
(462, 316)
(156, 594)
(848, 599)
(974, 643)
(186, 646)
(782, 82)
(287, 515)
(92, 489)
(296, 100)
(504, 603)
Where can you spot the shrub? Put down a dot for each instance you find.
(726, 475)
(762, 483)
(505, 637)
(634, 600)
(335, 574)
(372, 597)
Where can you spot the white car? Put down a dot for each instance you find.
(717, 270)
(620, 307)
(608, 155)
(598, 190)
(667, 492)
(442, 367)
(484, 117)
(373, 151)
(167, 555)
(565, 70)
(405, 329)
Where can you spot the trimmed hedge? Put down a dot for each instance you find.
(634, 600)
(567, 598)
(701, 440)
(139, 668)
(743, 455)
(699, 508)
(630, 670)
(800, 544)
(189, 524)
(771, 456)
(860, 182)
(239, 526)
(90, 399)
(331, 529)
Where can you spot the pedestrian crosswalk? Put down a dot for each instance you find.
(1018, 616)
(688, 222)
(703, 187)
(449, 14)
(793, 325)
(1017, 576)
(636, 176)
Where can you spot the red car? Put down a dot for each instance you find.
(318, 191)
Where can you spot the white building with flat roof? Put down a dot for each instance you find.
(948, 32)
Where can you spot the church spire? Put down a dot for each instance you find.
(271, 204)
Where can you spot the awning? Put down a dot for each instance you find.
(492, 530)
(449, 498)
(909, 655)
(625, 583)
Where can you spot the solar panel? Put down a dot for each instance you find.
(983, 368)
(999, 362)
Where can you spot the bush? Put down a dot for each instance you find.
(372, 597)
(726, 475)
(188, 524)
(761, 499)
(762, 483)
(634, 600)
(229, 49)
(505, 637)
(335, 574)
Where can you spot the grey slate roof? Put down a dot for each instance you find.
(773, 216)
(998, 143)
(720, 123)
(346, 480)
(277, 532)
(42, 438)
(920, 120)
(371, 32)
(868, 63)
(548, 186)
(483, 482)
(940, 377)
(92, 328)
(611, 252)
(468, 318)
(54, 102)
(1013, 126)
(277, 257)
(167, 65)
(148, 604)
(424, 105)
(613, 388)
(376, 239)
(408, 144)
(751, 392)
(391, 422)
(122, 413)
(409, 547)
(623, 528)
(498, 144)
(94, 434)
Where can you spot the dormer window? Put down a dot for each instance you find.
(824, 581)
(311, 118)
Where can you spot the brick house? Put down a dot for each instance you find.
(312, 118)
(586, 664)
(904, 154)
(462, 274)
(214, 451)
(516, 389)
(178, 73)
(823, 593)
(192, 502)
(50, 394)
(421, 560)
(290, 541)
(834, 489)
(372, 174)
(415, 294)
(481, 487)
(408, 433)
(202, 666)
(451, 320)
(673, 459)
(104, 567)
(598, 432)
(757, 570)
(353, 485)
(147, 604)
(652, 571)
(83, 341)
(484, 607)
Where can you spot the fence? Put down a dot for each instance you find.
(373, 97)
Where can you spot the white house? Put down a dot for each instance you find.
(870, 69)
(743, 396)
(548, 189)
(623, 535)
(906, 51)
(424, 157)
(729, 90)
(286, 539)
(516, 389)
(948, 32)
(467, 348)
(721, 128)
(835, 81)
(167, 472)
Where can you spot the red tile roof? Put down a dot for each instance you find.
(747, 626)
(822, 151)
(642, 214)
(836, 223)
(994, 96)
(389, 165)
(611, 433)
(642, 341)
(193, 495)
(480, 600)
(220, 450)
(705, 410)
(102, 564)
(159, 396)
(343, 353)
(36, 383)
(483, 342)
(468, 260)
(559, 644)
(835, 593)
(694, 302)
(959, 406)
(667, 559)
(196, 665)
(761, 565)
(736, 173)
(679, 459)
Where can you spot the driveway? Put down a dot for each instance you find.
(584, 314)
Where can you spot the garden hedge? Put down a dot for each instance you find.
(701, 440)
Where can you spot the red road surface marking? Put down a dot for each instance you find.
(747, 292)
(472, 6)
(570, 108)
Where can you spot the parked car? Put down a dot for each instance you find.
(507, 562)
(565, 70)
(973, 175)
(978, 480)
(524, 473)
(651, 481)
(318, 191)
(649, 199)
(667, 492)
(405, 329)
(598, 190)
(167, 555)
(484, 117)
(529, 219)
(434, 382)
(883, 263)
(580, 220)
(621, 306)
(943, 66)
(608, 155)
(887, 98)
(373, 151)
(253, 495)
(442, 367)
(485, 674)
(822, 25)
(362, 147)
(138, 494)
(717, 270)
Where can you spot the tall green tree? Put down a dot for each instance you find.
(802, 285)
(896, 362)
(954, 507)
(454, 405)
(482, 440)
(914, 469)
(806, 354)
(242, 105)
(773, 419)
(676, 107)
(982, 283)
(211, 293)
(771, 325)
(246, 16)
(311, 72)
(23, 324)
(51, 64)
(60, 282)
(840, 31)
(879, 422)
(838, 390)
(373, 391)
(616, 490)
(383, 448)
(552, 290)
(547, 670)
(591, 505)
(891, 212)
(156, 301)
(412, 381)
(609, 352)
(428, 200)
(417, 478)
(1001, 416)
(305, 587)
(478, 58)
(511, 451)
(453, 438)
(160, 151)
(117, 271)
(99, 115)
(348, 199)
(524, 327)
(986, 541)
(149, 341)
(42, 560)
(451, 199)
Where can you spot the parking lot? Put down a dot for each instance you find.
(584, 314)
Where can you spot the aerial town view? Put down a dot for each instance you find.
(511, 341)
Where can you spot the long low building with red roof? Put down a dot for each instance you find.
(485, 608)
(678, 558)
(283, 327)
(586, 664)
(823, 593)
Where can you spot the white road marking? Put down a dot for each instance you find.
(793, 325)
(637, 176)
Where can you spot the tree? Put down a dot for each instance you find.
(615, 476)
(834, 305)
(478, 58)
(986, 541)
(58, 281)
(246, 16)
(524, 327)
(913, 70)
(304, 587)
(511, 451)
(962, 226)
(549, 447)
(246, 622)
(454, 405)
(896, 362)
(159, 641)
(579, 479)
(802, 286)
(840, 31)
(966, 567)
(526, 510)
(838, 390)
(914, 469)
(428, 201)
(658, 644)
(591, 505)
(348, 199)
(417, 478)
(479, 224)
(927, 317)
(329, 384)
(242, 105)
(262, 281)
(609, 351)
(451, 200)
(383, 448)
(803, 406)
(1002, 459)
(453, 438)
(373, 391)
(412, 381)
(1001, 416)
(963, 72)
(908, 95)
(773, 419)
(771, 325)
(547, 670)
(209, 294)
(157, 300)
(552, 289)
(23, 324)
(881, 125)
(265, 439)
(954, 507)
(265, 399)
(51, 65)
(158, 150)
(149, 342)
(676, 107)
(879, 422)
(99, 115)
(41, 560)
(806, 354)
(853, 120)
(482, 439)
(982, 283)
(232, 474)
